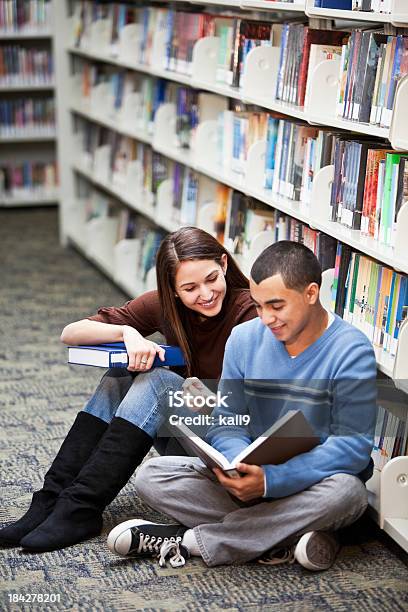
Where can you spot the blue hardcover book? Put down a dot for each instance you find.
(345, 5)
(114, 355)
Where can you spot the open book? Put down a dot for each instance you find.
(289, 436)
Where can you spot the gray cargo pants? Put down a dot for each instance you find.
(230, 531)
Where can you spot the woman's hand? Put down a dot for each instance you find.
(141, 352)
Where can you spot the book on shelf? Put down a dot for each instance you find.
(23, 16)
(345, 5)
(114, 355)
(370, 296)
(289, 436)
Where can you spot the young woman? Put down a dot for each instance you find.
(201, 296)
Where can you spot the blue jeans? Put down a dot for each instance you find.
(141, 399)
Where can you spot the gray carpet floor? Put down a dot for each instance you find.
(43, 287)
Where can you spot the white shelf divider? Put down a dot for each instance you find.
(129, 38)
(319, 207)
(100, 35)
(255, 165)
(399, 13)
(400, 370)
(321, 92)
(164, 128)
(164, 200)
(205, 144)
(205, 60)
(394, 499)
(399, 124)
(260, 73)
(126, 256)
(326, 288)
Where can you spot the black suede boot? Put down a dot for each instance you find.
(77, 515)
(75, 451)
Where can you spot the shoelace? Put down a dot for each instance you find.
(171, 546)
(149, 544)
(162, 548)
(278, 555)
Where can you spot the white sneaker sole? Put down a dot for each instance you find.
(120, 538)
(316, 551)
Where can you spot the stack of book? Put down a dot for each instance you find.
(301, 49)
(21, 115)
(370, 296)
(390, 438)
(27, 179)
(21, 65)
(24, 15)
(371, 66)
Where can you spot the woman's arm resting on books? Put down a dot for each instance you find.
(250, 486)
(95, 332)
(91, 332)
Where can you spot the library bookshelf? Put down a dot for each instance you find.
(27, 145)
(388, 488)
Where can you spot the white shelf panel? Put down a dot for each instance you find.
(11, 202)
(99, 263)
(28, 137)
(267, 5)
(345, 15)
(85, 111)
(5, 87)
(123, 196)
(235, 3)
(16, 34)
(398, 530)
(231, 92)
(360, 16)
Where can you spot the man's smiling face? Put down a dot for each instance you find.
(287, 312)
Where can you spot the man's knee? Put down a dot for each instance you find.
(347, 498)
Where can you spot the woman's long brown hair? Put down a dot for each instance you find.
(188, 244)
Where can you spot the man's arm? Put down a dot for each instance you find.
(349, 444)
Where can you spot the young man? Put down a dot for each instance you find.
(296, 355)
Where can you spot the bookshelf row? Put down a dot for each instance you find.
(25, 17)
(28, 173)
(392, 11)
(125, 183)
(162, 137)
(325, 96)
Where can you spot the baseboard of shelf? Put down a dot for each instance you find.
(16, 34)
(28, 137)
(23, 202)
(397, 529)
(11, 87)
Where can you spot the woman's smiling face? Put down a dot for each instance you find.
(200, 284)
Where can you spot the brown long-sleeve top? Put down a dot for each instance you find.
(207, 337)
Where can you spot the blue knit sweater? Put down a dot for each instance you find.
(332, 382)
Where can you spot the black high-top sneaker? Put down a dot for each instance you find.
(140, 538)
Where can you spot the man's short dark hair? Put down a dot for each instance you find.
(297, 265)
